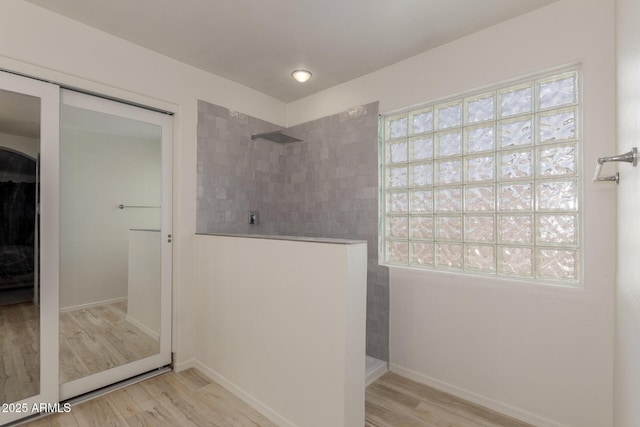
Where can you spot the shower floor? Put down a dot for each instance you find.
(374, 369)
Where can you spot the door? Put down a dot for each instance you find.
(115, 242)
(28, 263)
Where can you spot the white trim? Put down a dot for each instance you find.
(91, 304)
(144, 328)
(478, 399)
(183, 366)
(265, 410)
(48, 341)
(111, 376)
(381, 367)
(107, 377)
(117, 386)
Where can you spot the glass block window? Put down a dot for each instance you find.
(486, 183)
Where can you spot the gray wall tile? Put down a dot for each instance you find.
(324, 186)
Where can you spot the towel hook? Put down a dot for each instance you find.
(630, 157)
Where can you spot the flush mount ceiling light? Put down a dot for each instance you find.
(301, 75)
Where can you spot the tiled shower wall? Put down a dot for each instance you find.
(324, 186)
(236, 174)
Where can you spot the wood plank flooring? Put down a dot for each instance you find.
(395, 401)
(91, 340)
(190, 399)
(19, 354)
(185, 399)
(99, 338)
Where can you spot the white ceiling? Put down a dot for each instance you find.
(258, 43)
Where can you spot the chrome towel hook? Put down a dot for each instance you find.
(630, 157)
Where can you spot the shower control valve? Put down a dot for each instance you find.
(254, 217)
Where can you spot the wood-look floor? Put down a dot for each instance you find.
(185, 399)
(19, 354)
(99, 338)
(91, 340)
(191, 399)
(395, 401)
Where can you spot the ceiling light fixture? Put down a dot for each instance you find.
(301, 75)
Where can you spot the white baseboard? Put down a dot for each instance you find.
(183, 366)
(376, 373)
(489, 403)
(92, 304)
(256, 404)
(144, 328)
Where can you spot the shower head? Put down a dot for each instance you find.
(276, 136)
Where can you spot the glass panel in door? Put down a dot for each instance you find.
(28, 287)
(114, 227)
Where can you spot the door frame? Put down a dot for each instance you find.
(49, 95)
(163, 358)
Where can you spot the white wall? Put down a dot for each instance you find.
(22, 144)
(97, 173)
(37, 42)
(627, 361)
(542, 353)
(143, 297)
(565, 336)
(282, 324)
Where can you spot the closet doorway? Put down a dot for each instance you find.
(115, 242)
(85, 236)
